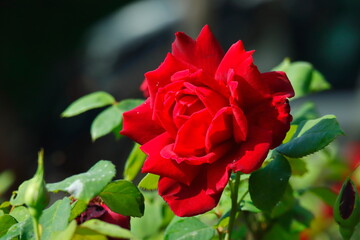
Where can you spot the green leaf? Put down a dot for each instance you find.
(189, 229)
(123, 197)
(302, 215)
(249, 206)
(325, 194)
(5, 207)
(279, 233)
(134, 163)
(77, 208)
(311, 136)
(20, 213)
(128, 104)
(82, 233)
(307, 111)
(116, 131)
(55, 218)
(86, 186)
(6, 179)
(107, 229)
(6, 221)
(66, 234)
(298, 166)
(150, 224)
(105, 122)
(285, 64)
(267, 185)
(290, 134)
(87, 102)
(25, 225)
(304, 77)
(111, 118)
(18, 196)
(14, 231)
(285, 204)
(149, 182)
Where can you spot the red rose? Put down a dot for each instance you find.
(96, 209)
(208, 114)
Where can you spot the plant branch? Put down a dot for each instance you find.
(234, 188)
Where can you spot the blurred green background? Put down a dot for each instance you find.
(53, 52)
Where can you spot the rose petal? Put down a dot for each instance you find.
(241, 62)
(240, 124)
(253, 152)
(211, 99)
(233, 86)
(192, 200)
(275, 117)
(219, 172)
(138, 124)
(162, 75)
(205, 53)
(278, 83)
(220, 128)
(159, 165)
(282, 125)
(190, 139)
(217, 152)
(164, 104)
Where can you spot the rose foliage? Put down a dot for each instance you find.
(208, 113)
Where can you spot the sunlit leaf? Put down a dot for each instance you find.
(311, 136)
(55, 218)
(87, 102)
(128, 104)
(105, 122)
(82, 233)
(123, 197)
(77, 208)
(134, 162)
(107, 229)
(298, 166)
(111, 118)
(25, 227)
(304, 78)
(6, 221)
(149, 182)
(86, 186)
(189, 229)
(307, 111)
(66, 234)
(151, 222)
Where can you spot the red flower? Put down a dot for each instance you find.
(207, 114)
(98, 210)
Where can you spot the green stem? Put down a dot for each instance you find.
(36, 227)
(234, 188)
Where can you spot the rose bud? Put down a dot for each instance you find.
(98, 210)
(347, 209)
(208, 114)
(36, 196)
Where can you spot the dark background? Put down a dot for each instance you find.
(53, 52)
